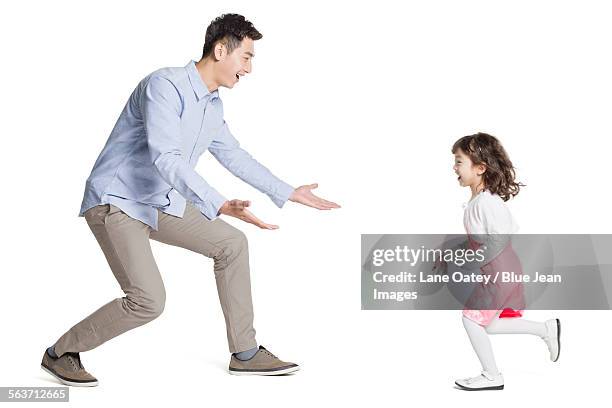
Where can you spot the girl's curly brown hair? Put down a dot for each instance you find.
(499, 177)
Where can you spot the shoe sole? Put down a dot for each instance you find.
(494, 388)
(66, 381)
(558, 340)
(268, 372)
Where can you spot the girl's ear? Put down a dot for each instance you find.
(482, 168)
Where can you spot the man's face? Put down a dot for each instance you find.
(235, 65)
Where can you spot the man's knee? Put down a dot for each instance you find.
(147, 306)
(233, 246)
(157, 306)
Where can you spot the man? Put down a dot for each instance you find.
(143, 186)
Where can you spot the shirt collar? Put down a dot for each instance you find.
(198, 85)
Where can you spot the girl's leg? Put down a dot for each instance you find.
(549, 331)
(482, 345)
(516, 326)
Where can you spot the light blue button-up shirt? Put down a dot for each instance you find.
(148, 161)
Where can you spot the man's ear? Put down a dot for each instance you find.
(220, 51)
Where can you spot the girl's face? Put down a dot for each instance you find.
(469, 174)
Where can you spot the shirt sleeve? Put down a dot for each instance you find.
(226, 149)
(161, 109)
(498, 226)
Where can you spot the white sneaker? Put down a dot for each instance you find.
(553, 338)
(484, 381)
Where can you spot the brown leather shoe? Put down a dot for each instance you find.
(262, 363)
(68, 369)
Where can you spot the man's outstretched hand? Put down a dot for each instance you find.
(238, 209)
(303, 195)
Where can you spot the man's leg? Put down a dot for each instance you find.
(125, 243)
(228, 247)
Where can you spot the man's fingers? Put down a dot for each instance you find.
(314, 201)
(331, 203)
(326, 203)
(319, 202)
(249, 217)
(314, 204)
(321, 206)
(271, 226)
(323, 202)
(240, 204)
(239, 210)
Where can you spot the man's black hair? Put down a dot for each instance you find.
(230, 29)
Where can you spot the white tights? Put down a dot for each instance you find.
(479, 336)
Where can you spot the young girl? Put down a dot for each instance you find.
(481, 163)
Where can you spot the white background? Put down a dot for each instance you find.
(365, 99)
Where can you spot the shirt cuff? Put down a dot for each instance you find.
(210, 207)
(281, 194)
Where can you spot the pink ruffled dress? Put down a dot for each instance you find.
(484, 215)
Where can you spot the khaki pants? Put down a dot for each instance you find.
(125, 243)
